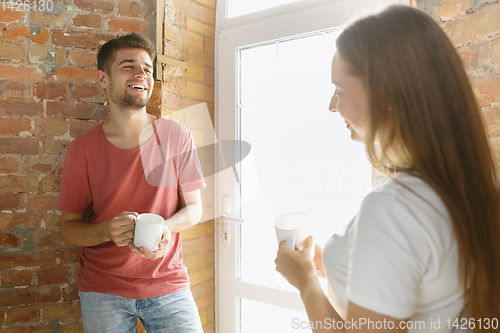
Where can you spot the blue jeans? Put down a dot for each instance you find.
(108, 313)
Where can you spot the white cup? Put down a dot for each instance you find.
(291, 228)
(148, 230)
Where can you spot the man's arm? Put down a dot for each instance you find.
(189, 214)
(76, 232)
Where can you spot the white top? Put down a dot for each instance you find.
(399, 257)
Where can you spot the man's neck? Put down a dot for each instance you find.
(124, 126)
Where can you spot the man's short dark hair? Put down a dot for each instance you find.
(134, 40)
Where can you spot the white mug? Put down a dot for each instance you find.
(291, 228)
(148, 230)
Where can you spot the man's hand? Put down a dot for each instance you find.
(120, 229)
(163, 247)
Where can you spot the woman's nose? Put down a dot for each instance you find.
(333, 104)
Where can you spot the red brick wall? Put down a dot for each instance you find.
(474, 28)
(48, 97)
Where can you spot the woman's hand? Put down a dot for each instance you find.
(163, 247)
(318, 261)
(297, 267)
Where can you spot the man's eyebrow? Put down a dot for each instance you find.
(132, 61)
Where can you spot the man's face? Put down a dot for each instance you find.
(130, 83)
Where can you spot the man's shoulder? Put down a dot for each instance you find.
(87, 139)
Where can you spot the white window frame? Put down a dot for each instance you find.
(298, 18)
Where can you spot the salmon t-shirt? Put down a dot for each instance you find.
(114, 180)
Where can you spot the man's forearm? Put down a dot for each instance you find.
(83, 234)
(185, 218)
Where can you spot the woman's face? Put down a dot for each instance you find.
(350, 99)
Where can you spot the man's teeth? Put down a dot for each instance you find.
(138, 87)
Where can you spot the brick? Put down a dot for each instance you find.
(491, 119)
(30, 295)
(52, 221)
(194, 10)
(87, 94)
(198, 245)
(14, 126)
(130, 8)
(61, 312)
(210, 76)
(18, 146)
(77, 128)
(104, 5)
(46, 294)
(480, 23)
(33, 328)
(9, 165)
(69, 255)
(205, 301)
(83, 58)
(470, 57)
(36, 257)
(192, 40)
(79, 74)
(87, 21)
(209, 45)
(200, 91)
(44, 238)
(453, 8)
(19, 184)
(14, 89)
(195, 260)
(200, 28)
(79, 39)
(25, 314)
(48, 19)
(495, 51)
(11, 51)
(15, 278)
(10, 239)
(20, 108)
(195, 72)
(12, 16)
(201, 58)
(70, 292)
(12, 72)
(50, 127)
(126, 25)
(487, 90)
(53, 275)
(16, 33)
(50, 184)
(71, 328)
(42, 202)
(203, 288)
(37, 53)
(21, 220)
(55, 146)
(42, 37)
(39, 165)
(12, 201)
(50, 90)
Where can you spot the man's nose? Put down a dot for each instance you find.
(140, 72)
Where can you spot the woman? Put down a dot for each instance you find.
(423, 251)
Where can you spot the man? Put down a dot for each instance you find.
(107, 168)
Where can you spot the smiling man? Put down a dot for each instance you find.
(104, 169)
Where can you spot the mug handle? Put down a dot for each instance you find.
(133, 218)
(290, 242)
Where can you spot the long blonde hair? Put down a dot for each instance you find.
(423, 111)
